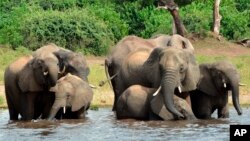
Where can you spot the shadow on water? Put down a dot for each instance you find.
(102, 125)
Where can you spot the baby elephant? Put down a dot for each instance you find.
(212, 90)
(71, 91)
(138, 102)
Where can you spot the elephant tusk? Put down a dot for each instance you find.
(92, 86)
(64, 110)
(45, 73)
(240, 84)
(157, 91)
(63, 71)
(179, 88)
(225, 85)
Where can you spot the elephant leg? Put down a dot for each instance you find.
(46, 102)
(223, 112)
(81, 113)
(13, 113)
(28, 106)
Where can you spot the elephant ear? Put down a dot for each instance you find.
(158, 108)
(154, 56)
(206, 84)
(193, 73)
(62, 56)
(81, 98)
(26, 81)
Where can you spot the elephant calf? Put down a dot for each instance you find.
(138, 102)
(71, 92)
(216, 80)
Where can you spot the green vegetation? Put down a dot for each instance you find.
(92, 26)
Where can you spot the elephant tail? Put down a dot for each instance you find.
(109, 78)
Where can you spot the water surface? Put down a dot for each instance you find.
(102, 125)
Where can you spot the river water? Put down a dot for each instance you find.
(102, 125)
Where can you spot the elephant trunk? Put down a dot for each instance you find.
(168, 86)
(53, 112)
(235, 94)
(59, 102)
(53, 74)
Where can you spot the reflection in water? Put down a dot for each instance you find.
(102, 125)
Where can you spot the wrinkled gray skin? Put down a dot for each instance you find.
(26, 81)
(132, 43)
(212, 91)
(166, 67)
(72, 93)
(68, 62)
(74, 63)
(138, 102)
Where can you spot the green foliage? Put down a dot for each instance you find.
(235, 24)
(73, 29)
(197, 17)
(145, 21)
(92, 26)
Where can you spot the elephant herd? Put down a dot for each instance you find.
(152, 79)
(160, 79)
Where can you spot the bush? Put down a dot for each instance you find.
(11, 23)
(72, 29)
(145, 21)
(112, 19)
(234, 24)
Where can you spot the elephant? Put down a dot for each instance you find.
(131, 43)
(171, 69)
(139, 102)
(74, 93)
(26, 81)
(216, 80)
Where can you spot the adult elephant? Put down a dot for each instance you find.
(212, 90)
(138, 102)
(132, 43)
(169, 68)
(74, 93)
(26, 80)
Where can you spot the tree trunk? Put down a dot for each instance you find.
(216, 17)
(173, 9)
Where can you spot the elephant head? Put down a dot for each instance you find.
(169, 41)
(180, 42)
(74, 63)
(71, 91)
(173, 69)
(218, 78)
(39, 74)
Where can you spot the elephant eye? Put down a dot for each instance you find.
(181, 68)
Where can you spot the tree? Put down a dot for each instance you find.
(172, 7)
(216, 17)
